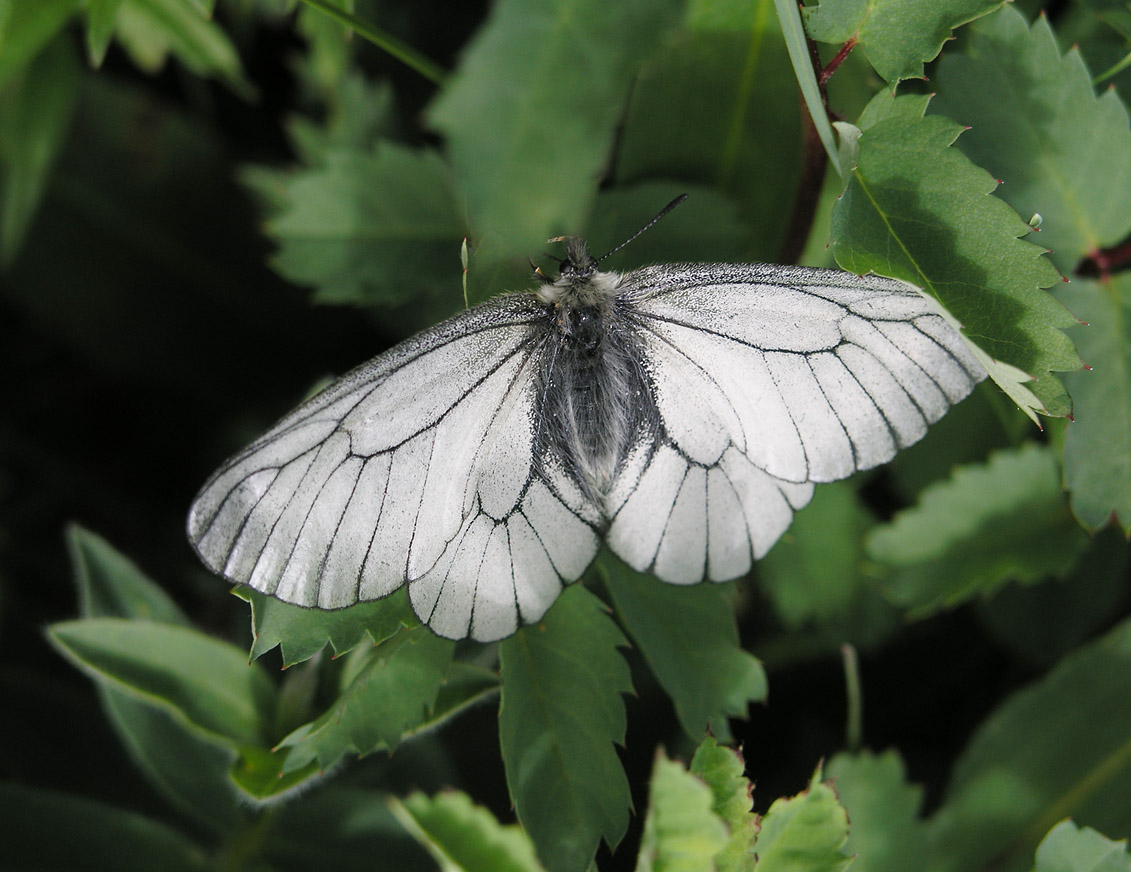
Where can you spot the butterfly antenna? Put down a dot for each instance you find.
(659, 215)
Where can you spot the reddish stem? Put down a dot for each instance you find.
(824, 75)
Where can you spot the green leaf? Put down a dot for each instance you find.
(898, 37)
(793, 31)
(561, 712)
(464, 837)
(887, 834)
(1097, 447)
(151, 30)
(682, 833)
(343, 828)
(1056, 748)
(111, 585)
(101, 17)
(25, 28)
(1006, 520)
(366, 228)
(804, 832)
(1069, 848)
(391, 695)
(689, 638)
(1037, 124)
(726, 77)
(35, 114)
(300, 633)
(525, 174)
(43, 830)
(723, 771)
(190, 771)
(918, 210)
(205, 682)
(812, 575)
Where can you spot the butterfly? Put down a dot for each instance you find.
(679, 413)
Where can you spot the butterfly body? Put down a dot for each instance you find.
(680, 413)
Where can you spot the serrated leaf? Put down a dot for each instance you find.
(723, 771)
(919, 210)
(1054, 749)
(726, 77)
(804, 832)
(101, 16)
(1005, 520)
(689, 638)
(526, 175)
(27, 28)
(152, 30)
(1037, 124)
(390, 695)
(203, 681)
(887, 834)
(301, 633)
(111, 585)
(35, 114)
(682, 833)
(560, 713)
(44, 830)
(1069, 848)
(365, 228)
(1097, 446)
(464, 837)
(897, 36)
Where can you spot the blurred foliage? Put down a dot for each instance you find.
(207, 206)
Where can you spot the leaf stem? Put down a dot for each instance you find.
(403, 52)
(854, 715)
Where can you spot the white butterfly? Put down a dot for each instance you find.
(681, 413)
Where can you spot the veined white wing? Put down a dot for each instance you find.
(767, 379)
(417, 467)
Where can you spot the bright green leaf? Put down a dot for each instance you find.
(35, 114)
(111, 585)
(300, 633)
(723, 771)
(101, 18)
(43, 830)
(682, 833)
(369, 228)
(151, 30)
(918, 210)
(561, 712)
(25, 28)
(898, 36)
(1006, 520)
(1097, 447)
(531, 114)
(1069, 848)
(804, 832)
(1057, 748)
(887, 834)
(464, 837)
(207, 683)
(391, 695)
(689, 637)
(1037, 124)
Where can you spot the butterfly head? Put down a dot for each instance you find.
(579, 282)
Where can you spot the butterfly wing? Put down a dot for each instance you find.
(768, 379)
(418, 466)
